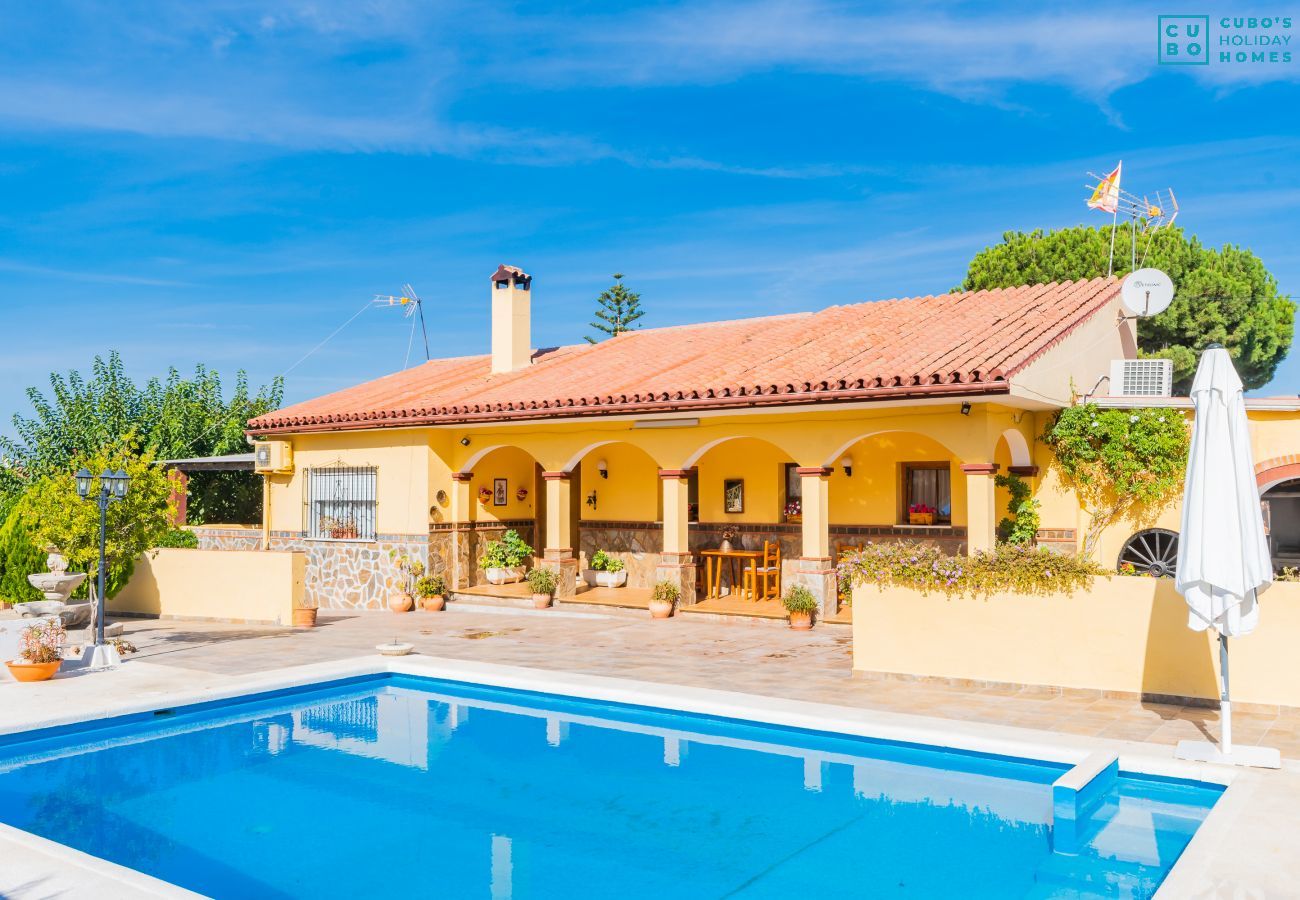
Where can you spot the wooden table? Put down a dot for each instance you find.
(713, 560)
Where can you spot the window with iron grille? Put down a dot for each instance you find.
(341, 503)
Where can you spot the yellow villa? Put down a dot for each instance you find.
(789, 437)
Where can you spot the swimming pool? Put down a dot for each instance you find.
(395, 784)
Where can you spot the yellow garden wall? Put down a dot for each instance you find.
(241, 585)
(1122, 634)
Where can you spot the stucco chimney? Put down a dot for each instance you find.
(512, 338)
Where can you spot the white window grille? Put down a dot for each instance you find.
(341, 503)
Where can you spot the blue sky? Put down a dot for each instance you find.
(227, 182)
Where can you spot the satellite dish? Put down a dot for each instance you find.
(1146, 292)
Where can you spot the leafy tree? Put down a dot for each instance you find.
(57, 516)
(19, 557)
(1120, 462)
(1224, 296)
(173, 417)
(617, 309)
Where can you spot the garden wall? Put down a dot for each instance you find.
(1126, 636)
(227, 585)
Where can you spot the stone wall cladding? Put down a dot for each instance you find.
(467, 540)
(638, 544)
(353, 574)
(216, 538)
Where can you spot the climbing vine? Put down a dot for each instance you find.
(1120, 462)
(1021, 525)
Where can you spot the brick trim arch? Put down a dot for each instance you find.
(1276, 470)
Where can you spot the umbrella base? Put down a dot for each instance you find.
(1204, 751)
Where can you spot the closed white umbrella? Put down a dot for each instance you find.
(1223, 557)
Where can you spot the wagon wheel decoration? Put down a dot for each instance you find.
(1151, 552)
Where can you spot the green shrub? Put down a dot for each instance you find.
(19, 557)
(431, 586)
(1009, 568)
(542, 581)
(606, 562)
(1021, 527)
(799, 599)
(179, 537)
(510, 551)
(666, 592)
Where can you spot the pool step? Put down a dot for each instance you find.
(1091, 875)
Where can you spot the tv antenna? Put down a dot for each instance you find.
(412, 308)
(1145, 293)
(1107, 195)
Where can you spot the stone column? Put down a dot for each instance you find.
(462, 518)
(676, 563)
(981, 507)
(815, 568)
(558, 554)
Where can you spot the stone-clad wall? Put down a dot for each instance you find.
(228, 537)
(638, 544)
(464, 542)
(353, 574)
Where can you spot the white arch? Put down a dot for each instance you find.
(1020, 455)
(470, 463)
(695, 457)
(834, 459)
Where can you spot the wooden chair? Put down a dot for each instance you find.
(763, 582)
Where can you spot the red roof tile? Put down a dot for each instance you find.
(969, 343)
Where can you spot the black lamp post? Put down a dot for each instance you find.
(112, 487)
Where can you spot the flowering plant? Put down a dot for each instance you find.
(1009, 568)
(794, 508)
(43, 642)
(920, 508)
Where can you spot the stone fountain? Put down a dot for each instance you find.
(57, 585)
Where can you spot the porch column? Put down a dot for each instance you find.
(676, 563)
(816, 568)
(981, 507)
(558, 555)
(462, 517)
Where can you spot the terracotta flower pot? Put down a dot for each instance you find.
(660, 610)
(401, 603)
(542, 601)
(434, 603)
(304, 618)
(22, 670)
(801, 621)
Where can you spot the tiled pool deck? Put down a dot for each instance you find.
(1249, 847)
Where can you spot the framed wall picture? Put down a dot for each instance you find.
(733, 495)
(499, 495)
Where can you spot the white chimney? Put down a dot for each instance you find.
(512, 338)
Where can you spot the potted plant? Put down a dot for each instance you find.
(800, 604)
(663, 598)
(409, 572)
(503, 560)
(543, 582)
(920, 514)
(432, 591)
(794, 511)
(606, 571)
(40, 651)
(304, 616)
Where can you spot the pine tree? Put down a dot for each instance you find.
(618, 308)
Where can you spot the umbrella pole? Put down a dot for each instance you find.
(1225, 703)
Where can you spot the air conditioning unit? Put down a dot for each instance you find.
(272, 457)
(1141, 377)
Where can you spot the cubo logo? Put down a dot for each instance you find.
(1184, 40)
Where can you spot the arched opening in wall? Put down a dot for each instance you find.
(897, 480)
(506, 494)
(1281, 507)
(618, 510)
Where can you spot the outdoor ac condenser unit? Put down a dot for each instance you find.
(272, 457)
(1141, 377)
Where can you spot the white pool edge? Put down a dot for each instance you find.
(946, 734)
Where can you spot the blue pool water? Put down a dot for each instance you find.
(396, 786)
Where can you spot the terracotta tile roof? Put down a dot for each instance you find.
(969, 343)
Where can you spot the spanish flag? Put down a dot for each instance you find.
(1105, 196)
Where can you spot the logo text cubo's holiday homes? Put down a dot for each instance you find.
(1234, 40)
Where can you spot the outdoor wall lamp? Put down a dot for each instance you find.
(965, 409)
(603, 468)
(112, 487)
(847, 463)
(591, 499)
